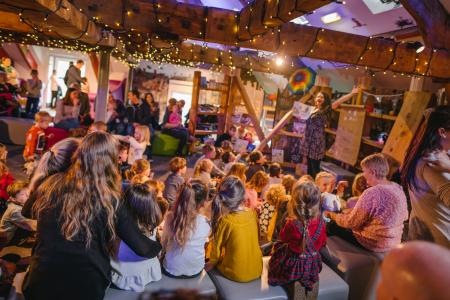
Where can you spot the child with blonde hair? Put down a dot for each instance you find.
(269, 208)
(139, 167)
(203, 171)
(254, 189)
(326, 183)
(296, 263)
(235, 248)
(138, 142)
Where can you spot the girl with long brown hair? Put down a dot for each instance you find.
(186, 232)
(79, 214)
(68, 110)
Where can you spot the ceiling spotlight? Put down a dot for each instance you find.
(418, 46)
(330, 18)
(279, 61)
(420, 49)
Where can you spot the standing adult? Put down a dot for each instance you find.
(154, 110)
(33, 86)
(313, 146)
(68, 110)
(137, 112)
(428, 184)
(73, 74)
(54, 87)
(376, 221)
(79, 216)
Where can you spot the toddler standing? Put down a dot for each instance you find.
(296, 262)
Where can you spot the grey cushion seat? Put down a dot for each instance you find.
(357, 266)
(331, 286)
(202, 284)
(254, 290)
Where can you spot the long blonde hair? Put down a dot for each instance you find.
(89, 189)
(145, 134)
(205, 165)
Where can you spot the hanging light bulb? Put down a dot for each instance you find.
(279, 61)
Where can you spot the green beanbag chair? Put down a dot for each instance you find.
(165, 145)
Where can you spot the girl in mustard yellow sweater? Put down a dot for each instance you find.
(235, 249)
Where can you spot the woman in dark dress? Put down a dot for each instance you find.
(79, 216)
(313, 146)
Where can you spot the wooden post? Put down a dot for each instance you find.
(250, 109)
(129, 85)
(364, 83)
(286, 118)
(103, 86)
(194, 103)
(416, 84)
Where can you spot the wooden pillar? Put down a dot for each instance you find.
(364, 83)
(129, 85)
(194, 104)
(103, 86)
(416, 84)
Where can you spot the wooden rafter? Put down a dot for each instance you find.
(433, 21)
(56, 18)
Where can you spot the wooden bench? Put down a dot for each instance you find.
(358, 267)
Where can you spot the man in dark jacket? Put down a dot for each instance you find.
(137, 112)
(73, 74)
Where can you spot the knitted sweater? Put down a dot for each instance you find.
(377, 218)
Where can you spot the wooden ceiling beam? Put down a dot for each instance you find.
(433, 21)
(59, 18)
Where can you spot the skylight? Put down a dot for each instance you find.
(381, 6)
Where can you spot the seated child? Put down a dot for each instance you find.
(288, 182)
(235, 248)
(139, 167)
(255, 160)
(326, 183)
(3, 153)
(98, 126)
(175, 116)
(5, 180)
(138, 142)
(218, 159)
(269, 209)
(124, 166)
(254, 189)
(227, 146)
(358, 187)
(228, 159)
(12, 218)
(301, 238)
(130, 271)
(210, 152)
(203, 171)
(238, 170)
(186, 232)
(274, 174)
(225, 137)
(175, 180)
(35, 136)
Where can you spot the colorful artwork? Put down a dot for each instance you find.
(301, 81)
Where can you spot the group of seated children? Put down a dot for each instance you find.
(232, 204)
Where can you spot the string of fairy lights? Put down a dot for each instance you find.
(140, 46)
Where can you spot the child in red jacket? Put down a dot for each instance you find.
(35, 137)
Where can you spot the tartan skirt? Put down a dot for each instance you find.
(286, 266)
